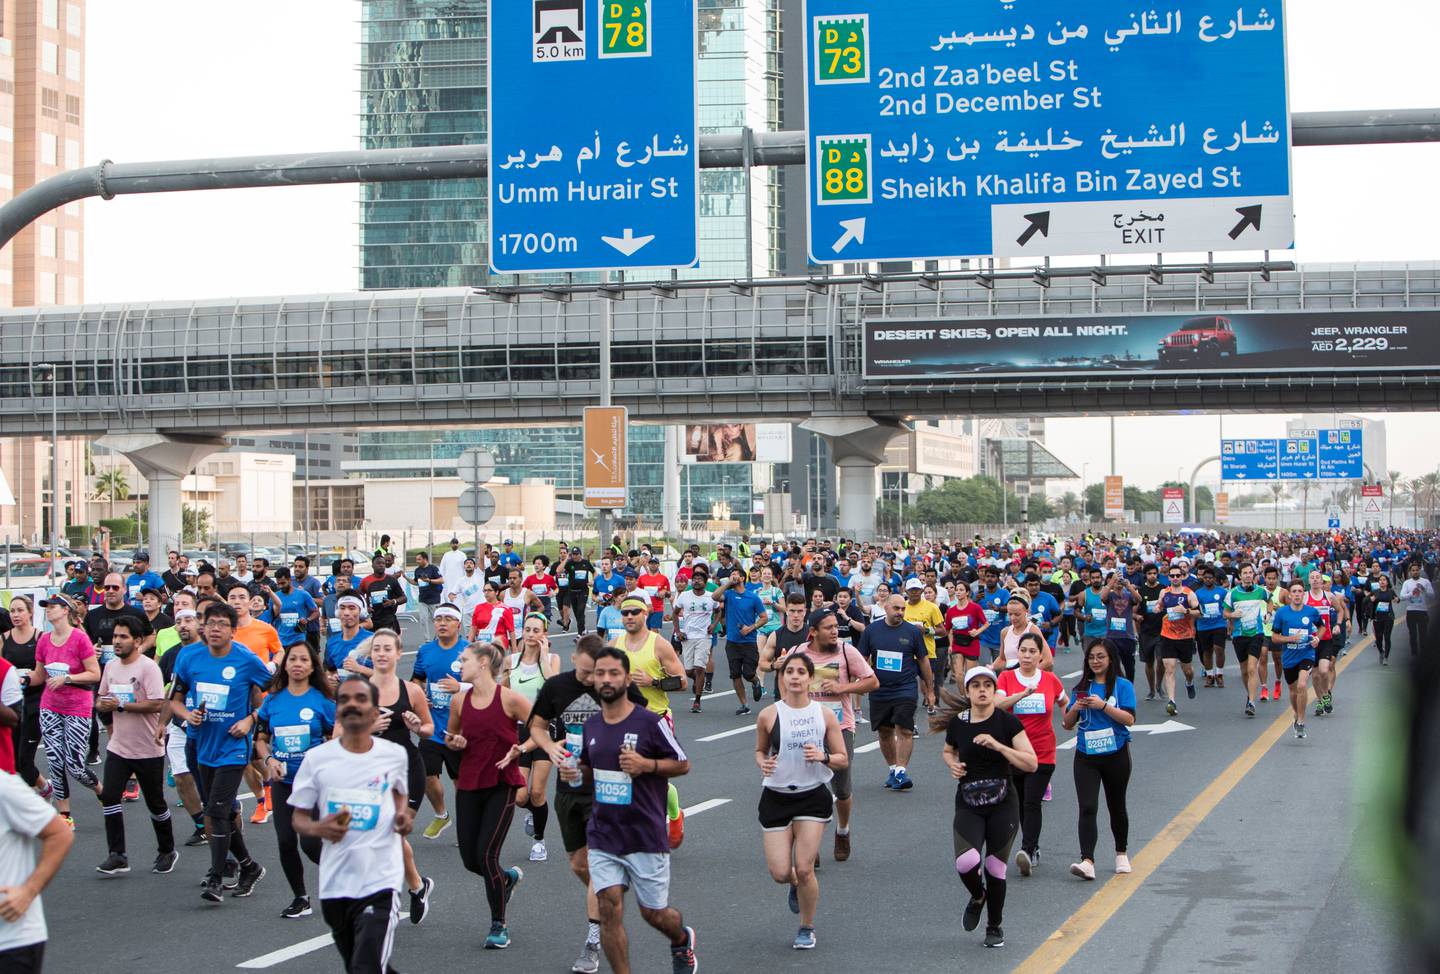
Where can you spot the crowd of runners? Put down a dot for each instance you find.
(202, 687)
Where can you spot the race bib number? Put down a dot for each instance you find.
(542, 590)
(334, 625)
(613, 787)
(562, 582)
(1302, 633)
(215, 696)
(1118, 624)
(375, 599)
(1153, 606)
(838, 709)
(438, 697)
(1211, 610)
(650, 590)
(122, 692)
(991, 615)
(889, 660)
(292, 741)
(1100, 741)
(1098, 614)
(1175, 613)
(362, 803)
(289, 619)
(107, 653)
(581, 576)
(134, 593)
(1382, 606)
(1033, 704)
(57, 669)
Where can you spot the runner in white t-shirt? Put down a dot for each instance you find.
(33, 843)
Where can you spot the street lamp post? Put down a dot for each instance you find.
(54, 375)
(1084, 494)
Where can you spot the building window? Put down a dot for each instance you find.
(7, 134)
(51, 13)
(72, 64)
(46, 293)
(72, 19)
(49, 57)
(47, 240)
(72, 289)
(72, 109)
(72, 153)
(49, 103)
(72, 245)
(49, 148)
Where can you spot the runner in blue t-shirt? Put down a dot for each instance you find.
(992, 600)
(437, 670)
(224, 683)
(297, 609)
(1296, 628)
(1210, 627)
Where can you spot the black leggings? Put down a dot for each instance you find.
(1032, 793)
(150, 772)
(1113, 771)
(1384, 625)
(577, 600)
(26, 738)
(482, 820)
(991, 830)
(291, 844)
(219, 786)
(1416, 622)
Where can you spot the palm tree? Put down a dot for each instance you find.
(1432, 494)
(1070, 504)
(1415, 491)
(1393, 478)
(112, 486)
(1277, 491)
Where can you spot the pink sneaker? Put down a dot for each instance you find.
(1046, 798)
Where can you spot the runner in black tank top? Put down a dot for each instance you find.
(400, 734)
(786, 642)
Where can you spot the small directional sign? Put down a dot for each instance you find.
(594, 146)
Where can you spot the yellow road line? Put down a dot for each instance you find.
(1085, 922)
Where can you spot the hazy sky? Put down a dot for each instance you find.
(191, 80)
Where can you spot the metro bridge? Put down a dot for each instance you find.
(166, 380)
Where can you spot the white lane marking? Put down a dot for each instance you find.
(290, 953)
(872, 746)
(1071, 676)
(747, 729)
(705, 806)
(719, 693)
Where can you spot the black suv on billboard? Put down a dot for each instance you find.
(1204, 339)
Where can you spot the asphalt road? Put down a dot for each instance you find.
(1251, 867)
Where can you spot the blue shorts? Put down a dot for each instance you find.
(655, 621)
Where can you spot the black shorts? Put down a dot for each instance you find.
(1249, 647)
(892, 713)
(1210, 639)
(1326, 650)
(1292, 673)
(437, 756)
(779, 808)
(1181, 649)
(1149, 646)
(744, 658)
(572, 811)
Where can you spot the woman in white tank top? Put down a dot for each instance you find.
(1018, 612)
(798, 746)
(525, 672)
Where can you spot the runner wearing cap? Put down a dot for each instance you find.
(984, 747)
(141, 578)
(68, 666)
(655, 667)
(437, 672)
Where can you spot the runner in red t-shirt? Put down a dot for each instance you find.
(1032, 695)
(492, 621)
(964, 621)
(657, 587)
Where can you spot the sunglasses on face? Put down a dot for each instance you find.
(632, 612)
(114, 588)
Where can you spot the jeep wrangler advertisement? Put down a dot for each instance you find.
(1248, 341)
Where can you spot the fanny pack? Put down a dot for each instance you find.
(985, 792)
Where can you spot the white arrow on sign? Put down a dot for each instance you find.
(629, 243)
(854, 230)
(1169, 727)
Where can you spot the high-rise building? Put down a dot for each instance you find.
(42, 86)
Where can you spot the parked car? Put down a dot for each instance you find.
(1204, 339)
(27, 570)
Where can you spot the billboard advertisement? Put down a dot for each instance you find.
(1114, 498)
(1222, 507)
(737, 443)
(605, 473)
(1280, 343)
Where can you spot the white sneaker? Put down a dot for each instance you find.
(1122, 863)
(538, 853)
(1022, 859)
(1084, 869)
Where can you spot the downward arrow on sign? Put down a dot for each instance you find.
(628, 243)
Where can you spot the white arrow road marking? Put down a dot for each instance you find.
(705, 806)
(854, 230)
(628, 243)
(1169, 727)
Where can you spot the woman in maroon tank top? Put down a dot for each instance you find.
(483, 728)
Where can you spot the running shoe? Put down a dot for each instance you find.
(1122, 863)
(931, 710)
(44, 788)
(682, 958)
(695, 707)
(903, 782)
(1329, 704)
(1264, 694)
(757, 690)
(1150, 695)
(709, 679)
(1209, 681)
(420, 901)
(994, 937)
(132, 791)
(1190, 690)
(890, 779)
(1085, 869)
(529, 823)
(1249, 708)
(114, 865)
(1022, 860)
(513, 875)
(1220, 681)
(262, 813)
(1295, 726)
(1171, 709)
(589, 960)
(1301, 733)
(211, 891)
(538, 852)
(842, 847)
(437, 825)
(1046, 797)
(249, 876)
(742, 711)
(299, 907)
(971, 919)
(675, 828)
(169, 779)
(1276, 692)
(805, 939)
(68, 820)
(499, 936)
(1320, 707)
(197, 838)
(230, 878)
(792, 899)
(165, 862)
(93, 758)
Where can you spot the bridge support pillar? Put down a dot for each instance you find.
(164, 460)
(670, 494)
(857, 445)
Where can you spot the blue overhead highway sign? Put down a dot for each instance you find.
(943, 129)
(1311, 454)
(594, 148)
(1249, 459)
(1341, 455)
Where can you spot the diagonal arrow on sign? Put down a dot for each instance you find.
(1169, 727)
(854, 230)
